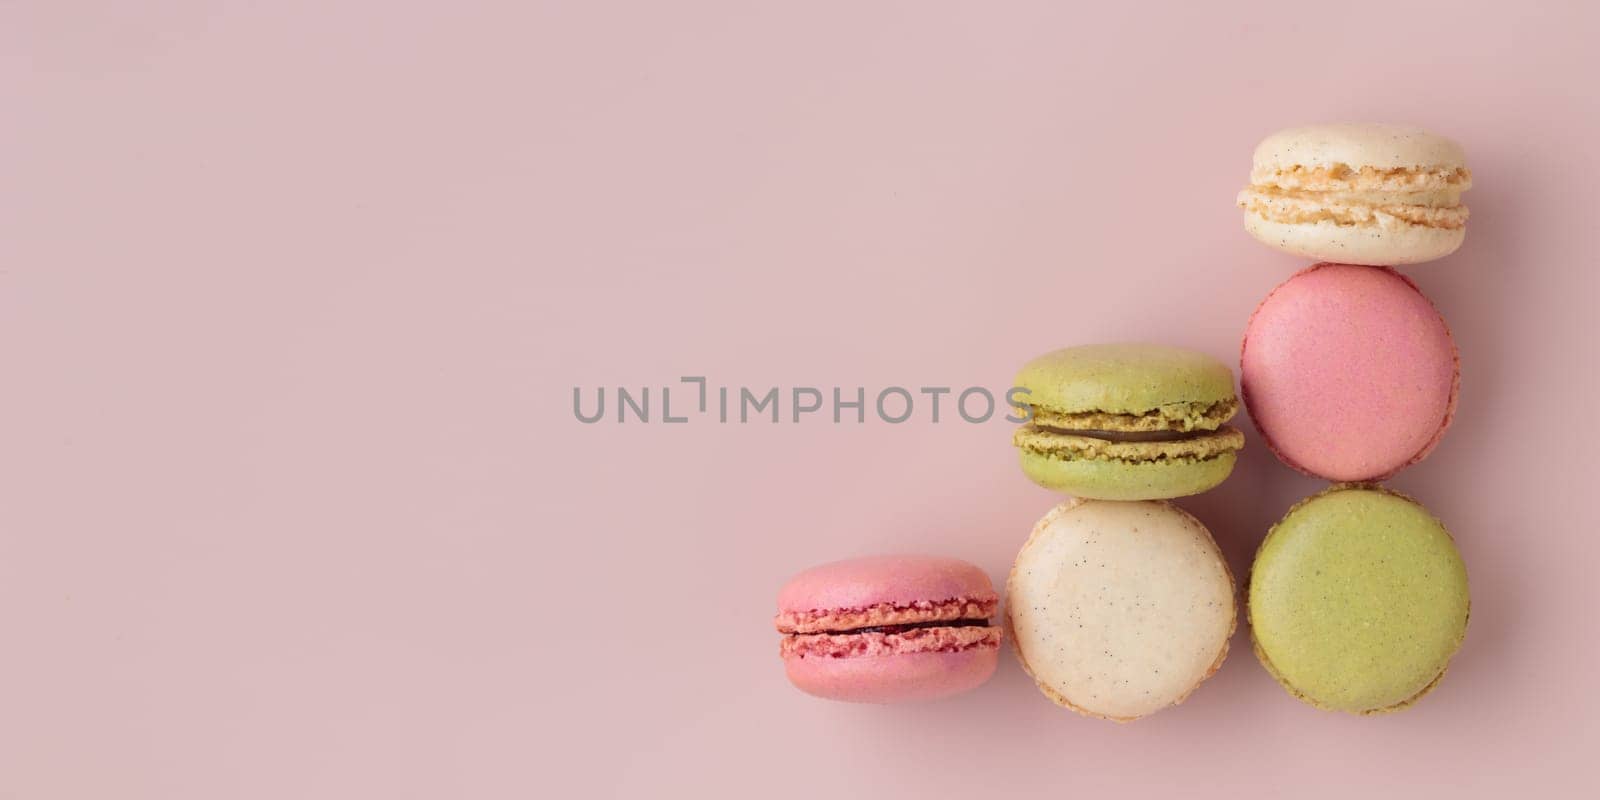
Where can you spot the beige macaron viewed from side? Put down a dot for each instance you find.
(1379, 195)
(1120, 609)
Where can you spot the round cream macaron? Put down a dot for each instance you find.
(1120, 609)
(1379, 195)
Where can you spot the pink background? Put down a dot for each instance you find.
(293, 299)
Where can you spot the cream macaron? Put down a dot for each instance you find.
(1120, 609)
(1379, 195)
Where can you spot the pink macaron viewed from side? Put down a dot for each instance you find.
(888, 629)
(1349, 372)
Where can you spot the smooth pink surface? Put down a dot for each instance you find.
(1349, 372)
(893, 579)
(908, 677)
(293, 297)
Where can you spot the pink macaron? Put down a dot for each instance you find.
(889, 629)
(1349, 372)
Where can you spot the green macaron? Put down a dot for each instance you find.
(1358, 599)
(1127, 421)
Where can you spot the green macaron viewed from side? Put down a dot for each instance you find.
(1127, 421)
(1358, 600)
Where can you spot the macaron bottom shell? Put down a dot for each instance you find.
(904, 677)
(1111, 479)
(1371, 245)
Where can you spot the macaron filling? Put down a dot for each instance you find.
(1128, 446)
(846, 619)
(960, 623)
(1427, 209)
(857, 644)
(1127, 436)
(947, 626)
(1181, 416)
(1345, 178)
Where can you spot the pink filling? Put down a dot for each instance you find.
(920, 640)
(844, 619)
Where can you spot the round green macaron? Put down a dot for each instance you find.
(1358, 599)
(1128, 421)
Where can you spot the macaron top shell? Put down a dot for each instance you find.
(1358, 145)
(894, 581)
(1349, 372)
(1119, 610)
(1130, 379)
(1358, 599)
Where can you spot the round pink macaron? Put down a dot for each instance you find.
(889, 629)
(1349, 372)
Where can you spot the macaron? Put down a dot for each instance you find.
(1120, 609)
(1127, 421)
(889, 629)
(1358, 194)
(1358, 599)
(1349, 372)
